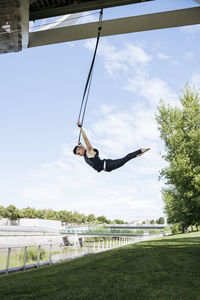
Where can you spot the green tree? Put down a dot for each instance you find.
(161, 220)
(78, 218)
(68, 218)
(91, 218)
(83, 219)
(109, 221)
(118, 221)
(28, 212)
(12, 213)
(65, 216)
(180, 130)
(51, 215)
(40, 213)
(152, 222)
(2, 211)
(102, 219)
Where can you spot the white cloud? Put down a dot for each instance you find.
(45, 192)
(151, 89)
(163, 56)
(190, 30)
(136, 60)
(189, 56)
(106, 109)
(196, 80)
(116, 60)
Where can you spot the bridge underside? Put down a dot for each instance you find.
(15, 16)
(51, 8)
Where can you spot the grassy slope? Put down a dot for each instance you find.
(167, 268)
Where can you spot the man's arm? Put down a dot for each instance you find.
(87, 143)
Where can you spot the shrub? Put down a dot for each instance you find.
(32, 254)
(176, 228)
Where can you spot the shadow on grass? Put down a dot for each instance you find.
(183, 242)
(169, 243)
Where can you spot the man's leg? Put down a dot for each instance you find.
(113, 164)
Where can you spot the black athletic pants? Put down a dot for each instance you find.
(112, 164)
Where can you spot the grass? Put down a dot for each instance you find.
(167, 268)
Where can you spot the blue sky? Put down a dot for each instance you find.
(41, 90)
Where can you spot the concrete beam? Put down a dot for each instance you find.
(176, 18)
(77, 6)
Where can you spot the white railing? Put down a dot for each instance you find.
(13, 259)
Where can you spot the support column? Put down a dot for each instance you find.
(14, 25)
(24, 16)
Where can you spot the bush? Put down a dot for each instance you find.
(167, 229)
(32, 254)
(176, 228)
(155, 231)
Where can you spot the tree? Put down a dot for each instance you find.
(91, 218)
(12, 213)
(65, 216)
(102, 219)
(152, 222)
(161, 220)
(40, 213)
(76, 218)
(50, 215)
(118, 221)
(108, 221)
(180, 130)
(2, 211)
(28, 212)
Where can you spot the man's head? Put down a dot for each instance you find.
(79, 150)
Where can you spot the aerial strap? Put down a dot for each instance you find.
(89, 78)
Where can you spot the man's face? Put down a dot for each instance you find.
(80, 151)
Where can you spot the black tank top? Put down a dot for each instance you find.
(94, 162)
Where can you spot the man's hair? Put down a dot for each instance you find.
(75, 148)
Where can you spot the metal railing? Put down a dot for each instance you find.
(21, 258)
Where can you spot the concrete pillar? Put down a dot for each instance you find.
(24, 15)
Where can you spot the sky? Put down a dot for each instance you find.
(41, 92)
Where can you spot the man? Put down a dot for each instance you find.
(91, 155)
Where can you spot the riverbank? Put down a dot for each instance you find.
(165, 268)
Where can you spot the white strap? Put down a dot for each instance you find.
(104, 165)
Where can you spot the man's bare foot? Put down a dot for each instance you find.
(143, 150)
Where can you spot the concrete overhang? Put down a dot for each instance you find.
(16, 14)
(47, 9)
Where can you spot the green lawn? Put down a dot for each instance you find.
(167, 268)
